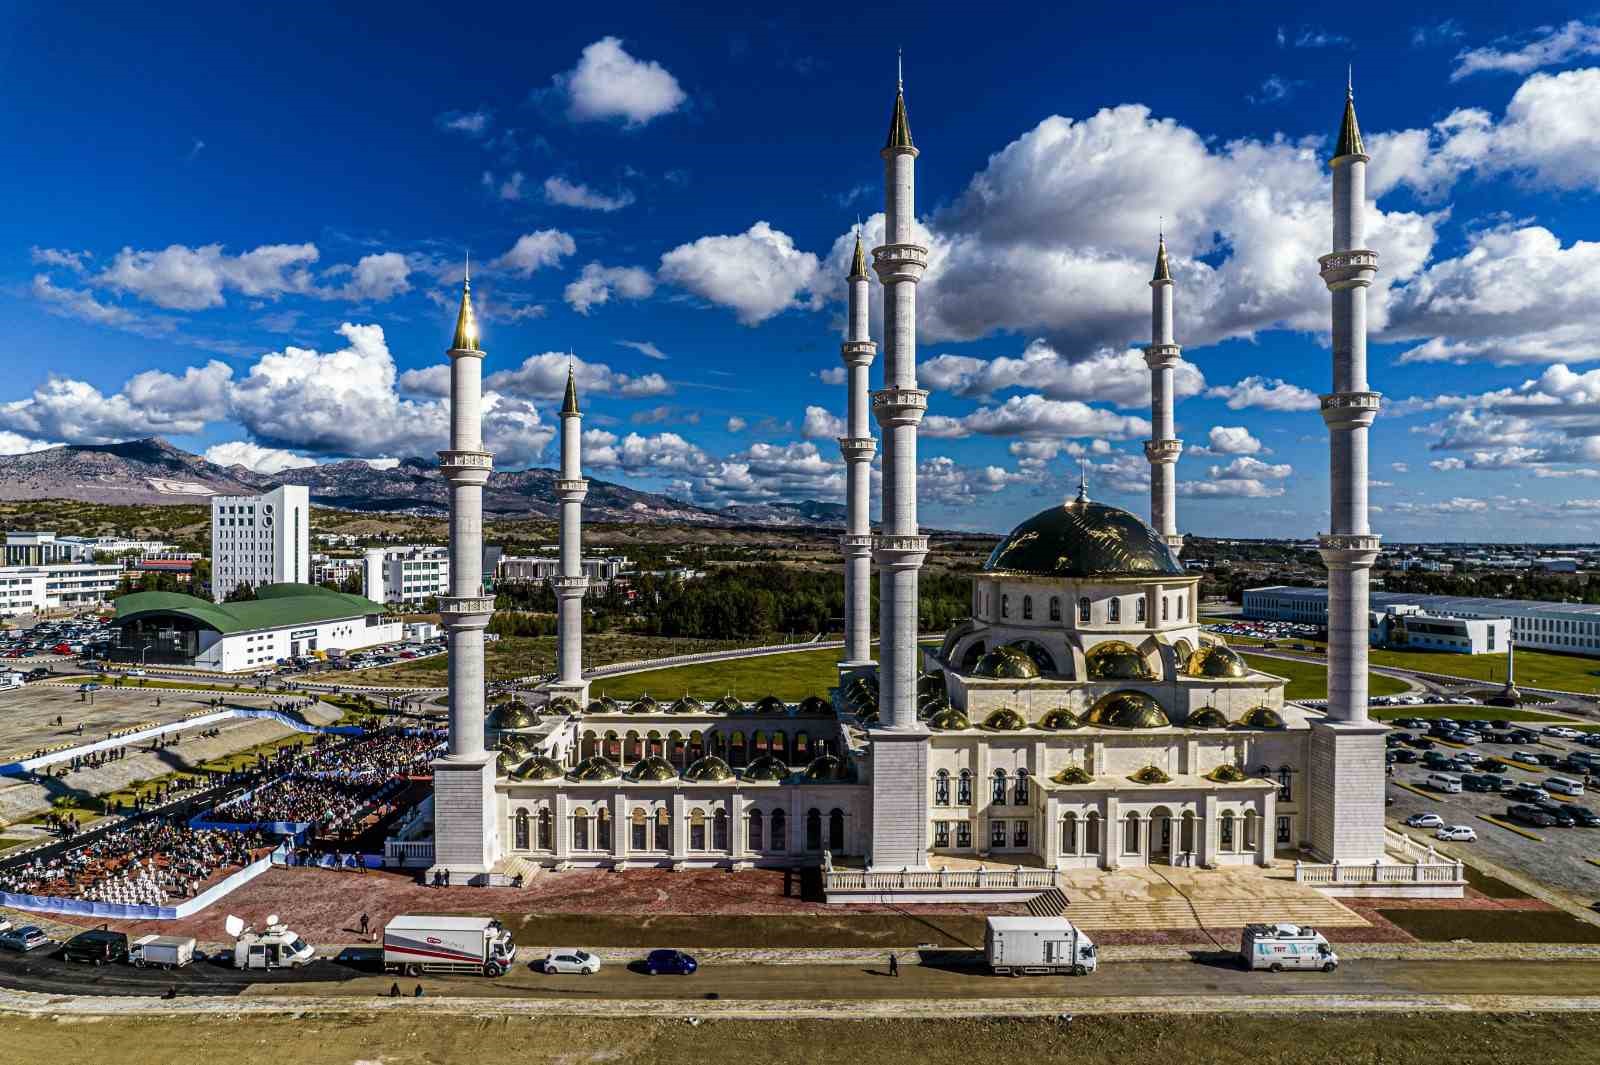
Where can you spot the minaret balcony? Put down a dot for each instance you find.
(465, 460)
(857, 543)
(1350, 410)
(1349, 550)
(569, 586)
(465, 608)
(1161, 356)
(1342, 269)
(1163, 451)
(900, 406)
(858, 352)
(572, 489)
(895, 544)
(900, 262)
(858, 448)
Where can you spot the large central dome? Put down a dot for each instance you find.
(1082, 538)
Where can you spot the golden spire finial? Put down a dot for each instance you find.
(1162, 272)
(1349, 129)
(899, 127)
(466, 338)
(569, 403)
(858, 264)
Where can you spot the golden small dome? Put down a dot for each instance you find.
(1073, 774)
(1206, 717)
(1262, 717)
(538, 767)
(932, 684)
(654, 768)
(1227, 774)
(1127, 709)
(511, 715)
(949, 719)
(1117, 660)
(1059, 720)
(1007, 663)
(603, 705)
(563, 704)
(644, 705)
(708, 770)
(770, 704)
(687, 705)
(815, 706)
(1218, 661)
(728, 705)
(1150, 775)
(1004, 719)
(766, 767)
(595, 767)
(827, 769)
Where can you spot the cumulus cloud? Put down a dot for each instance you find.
(737, 424)
(77, 261)
(564, 193)
(758, 273)
(17, 444)
(660, 454)
(535, 251)
(598, 284)
(1267, 393)
(1233, 440)
(469, 123)
(822, 424)
(1547, 46)
(609, 83)
(1033, 415)
(150, 404)
(1118, 377)
(834, 375)
(545, 377)
(376, 277)
(1545, 423)
(255, 457)
(943, 480)
(182, 278)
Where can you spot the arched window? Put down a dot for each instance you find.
(653, 744)
(802, 747)
(697, 746)
(545, 842)
(1166, 608)
(1252, 830)
(941, 788)
(1055, 608)
(1138, 609)
(580, 829)
(999, 793)
(780, 746)
(603, 823)
(1091, 833)
(1180, 608)
(1114, 610)
(719, 831)
(780, 831)
(1027, 608)
(663, 830)
(697, 831)
(1069, 834)
(756, 824)
(1005, 605)
(964, 835)
(1225, 833)
(1083, 610)
(736, 750)
(836, 830)
(1130, 835)
(522, 830)
(964, 788)
(1019, 792)
(1285, 784)
(813, 829)
(639, 830)
(635, 748)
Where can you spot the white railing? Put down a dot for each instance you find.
(942, 880)
(1336, 873)
(407, 853)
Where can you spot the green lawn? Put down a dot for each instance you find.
(1309, 680)
(518, 656)
(1537, 669)
(791, 677)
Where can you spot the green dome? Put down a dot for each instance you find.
(538, 767)
(1127, 709)
(1007, 663)
(595, 767)
(1262, 717)
(949, 719)
(511, 715)
(1117, 660)
(766, 768)
(1206, 717)
(1059, 720)
(815, 706)
(1084, 539)
(687, 705)
(603, 705)
(1217, 661)
(770, 704)
(708, 770)
(653, 768)
(827, 769)
(1004, 720)
(644, 705)
(728, 705)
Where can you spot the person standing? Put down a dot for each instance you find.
(366, 924)
(894, 965)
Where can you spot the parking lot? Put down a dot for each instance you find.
(1559, 858)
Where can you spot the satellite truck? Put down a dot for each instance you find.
(1037, 945)
(277, 947)
(450, 944)
(1286, 946)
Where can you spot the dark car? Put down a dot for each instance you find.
(1530, 815)
(1558, 812)
(1522, 735)
(1402, 737)
(1480, 782)
(1493, 767)
(1500, 723)
(1525, 793)
(1422, 743)
(1547, 759)
(1404, 756)
(670, 962)
(1584, 816)
(96, 946)
(1436, 760)
(38, 673)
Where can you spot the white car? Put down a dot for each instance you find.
(1562, 731)
(570, 960)
(1425, 821)
(1457, 834)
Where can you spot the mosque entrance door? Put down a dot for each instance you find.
(1162, 835)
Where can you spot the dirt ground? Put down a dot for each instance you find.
(1356, 1039)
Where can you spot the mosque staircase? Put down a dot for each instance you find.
(1152, 915)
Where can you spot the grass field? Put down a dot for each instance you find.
(791, 676)
(1309, 680)
(517, 656)
(416, 1038)
(1494, 926)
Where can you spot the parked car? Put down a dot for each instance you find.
(570, 960)
(24, 938)
(1457, 834)
(671, 962)
(1425, 821)
(1500, 723)
(1562, 732)
(1404, 756)
(96, 946)
(1422, 743)
(1584, 816)
(1530, 815)
(1525, 757)
(1558, 812)
(1548, 759)
(1479, 782)
(1525, 793)
(1563, 785)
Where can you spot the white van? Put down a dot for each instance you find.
(1444, 782)
(1286, 946)
(1564, 785)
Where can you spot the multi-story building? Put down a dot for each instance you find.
(67, 585)
(598, 570)
(412, 574)
(259, 540)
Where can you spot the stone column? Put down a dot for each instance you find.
(858, 448)
(1162, 355)
(571, 584)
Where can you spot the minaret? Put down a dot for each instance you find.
(466, 840)
(857, 447)
(1346, 750)
(900, 749)
(571, 584)
(1163, 448)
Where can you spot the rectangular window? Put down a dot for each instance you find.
(941, 833)
(1283, 830)
(1019, 833)
(964, 834)
(997, 834)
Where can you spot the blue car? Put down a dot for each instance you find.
(672, 962)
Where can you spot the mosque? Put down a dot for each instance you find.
(1079, 719)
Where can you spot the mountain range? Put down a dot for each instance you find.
(153, 471)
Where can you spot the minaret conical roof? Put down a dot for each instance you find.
(899, 127)
(569, 403)
(466, 338)
(858, 265)
(1162, 273)
(1349, 130)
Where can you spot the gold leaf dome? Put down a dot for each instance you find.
(644, 705)
(1007, 663)
(770, 704)
(652, 769)
(815, 706)
(766, 767)
(688, 704)
(1127, 709)
(708, 770)
(594, 768)
(1004, 719)
(827, 769)
(1117, 660)
(1206, 717)
(1262, 717)
(538, 767)
(1059, 720)
(949, 719)
(1081, 538)
(511, 715)
(1218, 661)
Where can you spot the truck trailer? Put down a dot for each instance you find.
(167, 952)
(1019, 945)
(413, 945)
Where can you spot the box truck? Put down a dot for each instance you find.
(1286, 946)
(168, 952)
(1019, 945)
(453, 944)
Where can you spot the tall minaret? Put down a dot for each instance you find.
(857, 447)
(900, 749)
(1346, 750)
(571, 584)
(466, 839)
(1163, 448)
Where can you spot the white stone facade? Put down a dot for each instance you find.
(262, 539)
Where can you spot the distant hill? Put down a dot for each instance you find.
(812, 512)
(153, 471)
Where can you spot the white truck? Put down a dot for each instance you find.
(167, 952)
(1286, 946)
(275, 948)
(1019, 945)
(414, 944)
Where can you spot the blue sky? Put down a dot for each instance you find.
(243, 231)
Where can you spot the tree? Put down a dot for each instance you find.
(242, 593)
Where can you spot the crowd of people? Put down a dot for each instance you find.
(146, 862)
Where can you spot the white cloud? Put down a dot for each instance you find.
(470, 123)
(1549, 421)
(536, 250)
(183, 278)
(737, 424)
(822, 424)
(834, 375)
(597, 284)
(1033, 415)
(378, 277)
(645, 348)
(432, 380)
(608, 83)
(1233, 440)
(77, 261)
(660, 454)
(565, 193)
(150, 403)
(545, 377)
(79, 303)
(255, 457)
(1548, 46)
(1268, 393)
(510, 189)
(758, 273)
(1118, 377)
(943, 480)
(17, 444)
